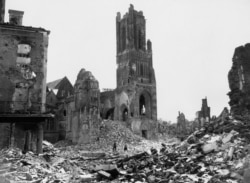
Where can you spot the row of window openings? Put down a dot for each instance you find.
(23, 55)
(123, 39)
(88, 86)
(123, 83)
(143, 70)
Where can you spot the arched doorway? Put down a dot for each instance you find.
(142, 104)
(110, 114)
(125, 114)
(145, 104)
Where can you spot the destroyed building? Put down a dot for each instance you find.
(57, 93)
(239, 82)
(181, 128)
(83, 109)
(135, 94)
(134, 99)
(23, 72)
(202, 116)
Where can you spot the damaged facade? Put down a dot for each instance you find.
(57, 93)
(202, 116)
(83, 109)
(239, 82)
(135, 95)
(134, 99)
(23, 72)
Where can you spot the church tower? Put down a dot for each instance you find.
(136, 86)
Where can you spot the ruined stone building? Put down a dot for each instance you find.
(239, 81)
(203, 116)
(181, 127)
(83, 109)
(23, 72)
(57, 93)
(134, 99)
(107, 104)
(135, 94)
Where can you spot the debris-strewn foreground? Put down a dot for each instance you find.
(218, 152)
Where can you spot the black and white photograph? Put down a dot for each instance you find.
(125, 91)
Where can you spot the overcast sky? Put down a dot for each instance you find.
(193, 42)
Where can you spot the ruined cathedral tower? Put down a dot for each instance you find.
(135, 95)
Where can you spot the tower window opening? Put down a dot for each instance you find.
(142, 105)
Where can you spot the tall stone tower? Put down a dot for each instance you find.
(135, 94)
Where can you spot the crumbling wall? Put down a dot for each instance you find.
(144, 127)
(23, 70)
(84, 108)
(239, 81)
(181, 127)
(23, 62)
(203, 116)
(107, 104)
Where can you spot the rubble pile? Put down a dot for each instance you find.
(110, 132)
(217, 153)
(115, 131)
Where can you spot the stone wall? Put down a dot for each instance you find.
(239, 81)
(23, 72)
(83, 109)
(135, 95)
(144, 127)
(23, 69)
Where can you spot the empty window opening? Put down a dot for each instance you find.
(64, 113)
(110, 114)
(141, 69)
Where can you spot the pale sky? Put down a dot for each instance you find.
(193, 42)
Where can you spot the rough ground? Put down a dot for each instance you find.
(218, 153)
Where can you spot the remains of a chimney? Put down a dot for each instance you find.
(2, 10)
(16, 17)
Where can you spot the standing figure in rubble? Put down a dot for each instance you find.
(114, 147)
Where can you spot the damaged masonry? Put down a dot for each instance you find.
(111, 135)
(23, 69)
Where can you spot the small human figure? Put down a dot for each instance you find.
(114, 147)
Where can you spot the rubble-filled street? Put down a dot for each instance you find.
(218, 152)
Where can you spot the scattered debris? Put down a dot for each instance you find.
(220, 155)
